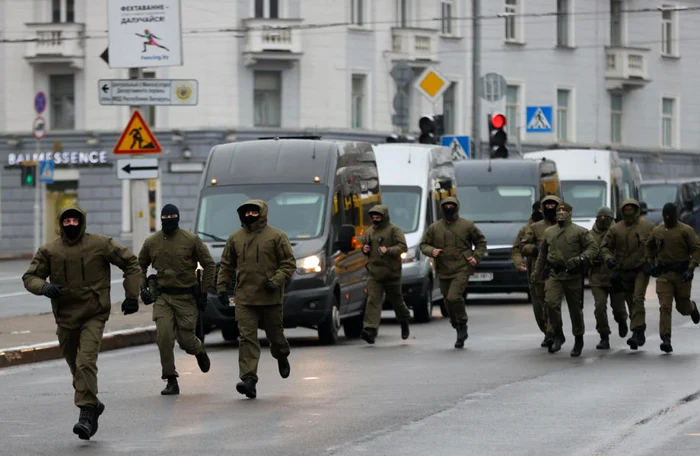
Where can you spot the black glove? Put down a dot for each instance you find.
(52, 291)
(130, 306)
(612, 263)
(223, 298)
(572, 263)
(269, 286)
(655, 271)
(146, 296)
(203, 301)
(688, 276)
(647, 269)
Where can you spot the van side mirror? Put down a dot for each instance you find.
(346, 236)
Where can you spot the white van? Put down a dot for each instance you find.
(590, 178)
(414, 178)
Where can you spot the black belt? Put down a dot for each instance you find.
(674, 267)
(175, 291)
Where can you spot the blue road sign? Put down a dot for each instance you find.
(539, 119)
(40, 102)
(46, 171)
(459, 144)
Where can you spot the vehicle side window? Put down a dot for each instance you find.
(686, 193)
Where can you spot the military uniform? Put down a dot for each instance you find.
(260, 258)
(174, 254)
(459, 239)
(531, 242)
(623, 250)
(565, 250)
(384, 274)
(599, 278)
(674, 249)
(78, 266)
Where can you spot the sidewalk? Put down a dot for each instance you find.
(32, 338)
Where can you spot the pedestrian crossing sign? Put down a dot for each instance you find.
(137, 138)
(47, 169)
(539, 119)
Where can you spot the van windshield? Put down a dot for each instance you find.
(404, 206)
(656, 196)
(586, 197)
(298, 210)
(496, 203)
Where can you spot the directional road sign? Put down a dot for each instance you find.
(39, 128)
(432, 84)
(47, 168)
(402, 73)
(137, 168)
(137, 138)
(459, 145)
(539, 119)
(151, 92)
(493, 87)
(40, 102)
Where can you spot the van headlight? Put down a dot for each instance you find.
(310, 265)
(411, 255)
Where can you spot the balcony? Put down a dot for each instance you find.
(626, 68)
(414, 44)
(272, 39)
(62, 43)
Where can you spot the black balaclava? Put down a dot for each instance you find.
(376, 222)
(72, 231)
(550, 214)
(536, 212)
(449, 210)
(670, 214)
(248, 220)
(171, 224)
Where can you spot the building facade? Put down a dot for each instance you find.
(615, 74)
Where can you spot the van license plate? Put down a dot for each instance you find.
(481, 277)
(232, 302)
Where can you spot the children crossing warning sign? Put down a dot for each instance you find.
(137, 138)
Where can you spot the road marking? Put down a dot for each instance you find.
(693, 435)
(22, 293)
(310, 378)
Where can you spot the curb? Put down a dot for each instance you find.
(20, 256)
(50, 351)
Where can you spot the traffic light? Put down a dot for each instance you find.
(431, 129)
(28, 176)
(498, 138)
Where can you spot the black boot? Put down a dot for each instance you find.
(369, 335)
(284, 367)
(622, 328)
(405, 331)
(637, 339)
(172, 388)
(641, 338)
(578, 347)
(604, 343)
(203, 361)
(462, 335)
(247, 387)
(666, 344)
(98, 411)
(695, 314)
(83, 428)
(559, 340)
(548, 340)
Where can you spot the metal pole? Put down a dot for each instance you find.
(140, 228)
(476, 76)
(37, 200)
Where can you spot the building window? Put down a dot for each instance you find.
(512, 109)
(357, 12)
(447, 17)
(449, 109)
(402, 13)
(512, 20)
(668, 108)
(668, 31)
(267, 9)
(616, 118)
(62, 11)
(267, 98)
(563, 108)
(62, 95)
(358, 100)
(616, 23)
(564, 23)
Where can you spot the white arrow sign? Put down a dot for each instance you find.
(137, 168)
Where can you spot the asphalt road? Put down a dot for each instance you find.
(501, 395)
(15, 300)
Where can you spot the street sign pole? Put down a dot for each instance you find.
(140, 227)
(37, 200)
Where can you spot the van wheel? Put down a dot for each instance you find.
(328, 329)
(231, 333)
(423, 310)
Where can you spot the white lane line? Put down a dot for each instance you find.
(22, 293)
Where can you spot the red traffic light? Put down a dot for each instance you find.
(498, 121)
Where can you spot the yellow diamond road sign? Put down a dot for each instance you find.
(432, 84)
